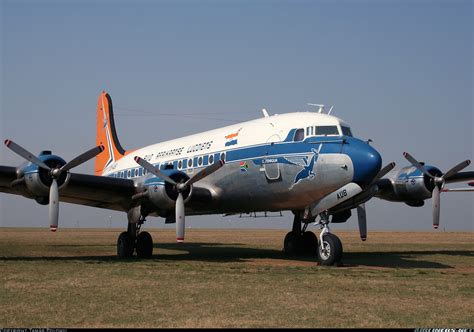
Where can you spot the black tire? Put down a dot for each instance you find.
(144, 245)
(310, 244)
(124, 246)
(291, 244)
(332, 253)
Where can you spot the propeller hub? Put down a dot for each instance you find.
(180, 187)
(55, 173)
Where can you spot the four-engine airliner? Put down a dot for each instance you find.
(305, 162)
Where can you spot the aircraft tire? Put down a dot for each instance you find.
(124, 246)
(144, 245)
(332, 253)
(310, 244)
(291, 244)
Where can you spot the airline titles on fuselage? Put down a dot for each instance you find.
(178, 151)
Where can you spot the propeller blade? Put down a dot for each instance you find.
(25, 154)
(150, 168)
(205, 172)
(180, 218)
(436, 207)
(82, 158)
(457, 190)
(362, 217)
(383, 172)
(53, 206)
(457, 168)
(415, 163)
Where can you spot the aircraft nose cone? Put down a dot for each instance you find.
(366, 160)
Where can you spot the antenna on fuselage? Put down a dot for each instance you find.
(265, 113)
(321, 107)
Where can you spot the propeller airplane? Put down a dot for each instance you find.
(305, 162)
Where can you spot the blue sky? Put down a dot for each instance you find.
(400, 72)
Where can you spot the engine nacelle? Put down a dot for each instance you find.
(164, 195)
(38, 180)
(408, 185)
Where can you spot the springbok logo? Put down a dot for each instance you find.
(307, 162)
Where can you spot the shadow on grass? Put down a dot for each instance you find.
(218, 252)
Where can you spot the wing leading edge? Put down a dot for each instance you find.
(90, 190)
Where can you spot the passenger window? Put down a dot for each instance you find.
(327, 130)
(299, 135)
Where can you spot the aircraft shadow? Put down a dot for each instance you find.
(216, 252)
(235, 252)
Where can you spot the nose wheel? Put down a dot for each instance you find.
(330, 247)
(300, 242)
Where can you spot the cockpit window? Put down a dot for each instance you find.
(346, 131)
(326, 130)
(299, 135)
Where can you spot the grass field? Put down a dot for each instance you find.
(234, 278)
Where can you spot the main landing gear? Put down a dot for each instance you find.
(132, 240)
(302, 242)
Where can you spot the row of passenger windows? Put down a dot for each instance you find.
(321, 131)
(180, 164)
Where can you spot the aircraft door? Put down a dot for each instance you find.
(270, 164)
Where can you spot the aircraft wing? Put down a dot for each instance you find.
(91, 190)
(96, 191)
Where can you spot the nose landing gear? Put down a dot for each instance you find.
(300, 242)
(330, 248)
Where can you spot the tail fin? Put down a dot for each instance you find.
(106, 135)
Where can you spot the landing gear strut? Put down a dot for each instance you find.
(132, 240)
(330, 248)
(299, 241)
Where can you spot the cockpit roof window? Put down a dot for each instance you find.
(326, 130)
(346, 131)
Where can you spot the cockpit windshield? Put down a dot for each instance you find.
(346, 131)
(326, 130)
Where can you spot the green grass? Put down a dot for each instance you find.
(234, 278)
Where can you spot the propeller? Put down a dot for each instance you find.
(382, 173)
(362, 218)
(54, 173)
(361, 211)
(180, 188)
(439, 182)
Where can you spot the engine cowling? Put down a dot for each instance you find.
(162, 194)
(38, 180)
(408, 185)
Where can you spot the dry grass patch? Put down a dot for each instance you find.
(234, 278)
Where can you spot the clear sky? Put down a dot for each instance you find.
(400, 72)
